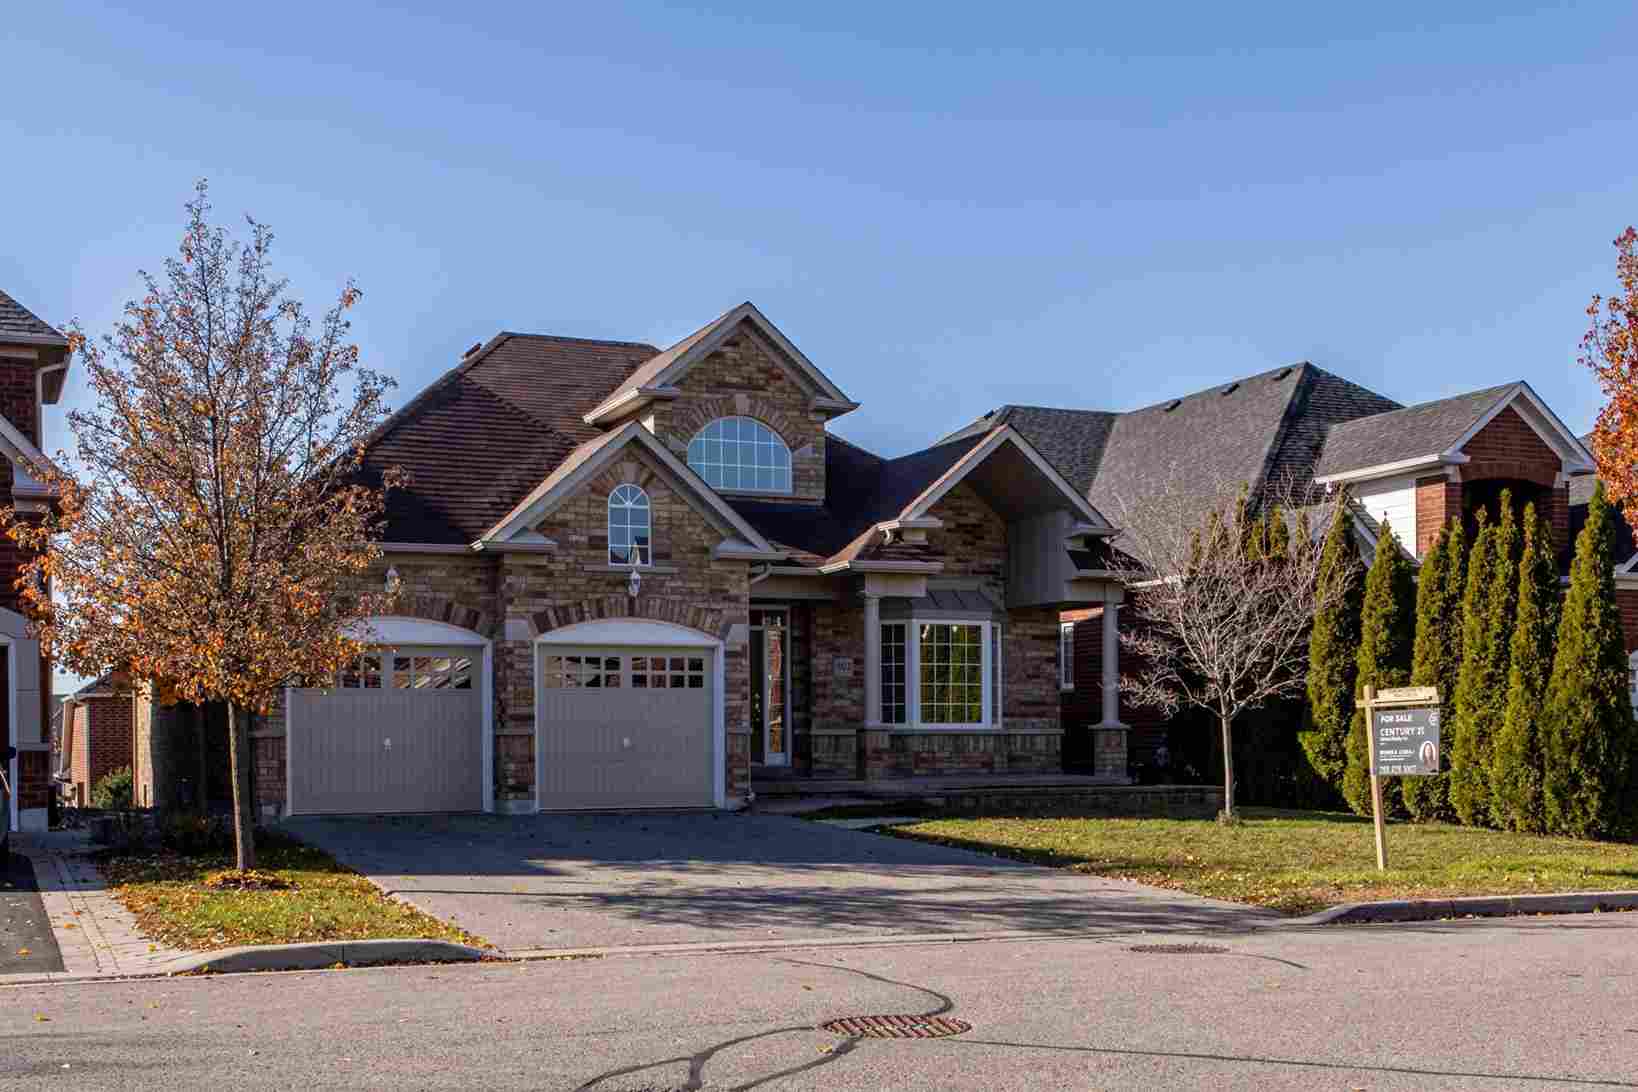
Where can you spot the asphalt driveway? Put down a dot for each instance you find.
(582, 881)
(27, 945)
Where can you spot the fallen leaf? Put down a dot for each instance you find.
(23, 951)
(41, 1018)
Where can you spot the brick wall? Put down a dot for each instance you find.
(1438, 500)
(1508, 447)
(745, 377)
(1626, 599)
(102, 742)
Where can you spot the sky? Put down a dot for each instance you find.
(947, 207)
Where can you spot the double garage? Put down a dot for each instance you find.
(627, 714)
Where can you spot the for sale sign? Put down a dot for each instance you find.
(1406, 741)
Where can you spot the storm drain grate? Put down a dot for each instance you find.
(1179, 949)
(897, 1027)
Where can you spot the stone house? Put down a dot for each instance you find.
(34, 359)
(634, 577)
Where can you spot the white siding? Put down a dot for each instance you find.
(1392, 501)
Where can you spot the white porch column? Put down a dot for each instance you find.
(873, 659)
(1111, 666)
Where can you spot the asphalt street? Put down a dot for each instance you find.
(1490, 1004)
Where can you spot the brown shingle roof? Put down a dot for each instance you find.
(491, 429)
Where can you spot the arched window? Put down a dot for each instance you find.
(739, 454)
(629, 526)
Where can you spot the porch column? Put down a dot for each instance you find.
(1111, 666)
(873, 659)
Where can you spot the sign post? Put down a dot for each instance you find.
(1404, 742)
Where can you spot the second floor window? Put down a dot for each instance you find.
(629, 526)
(738, 454)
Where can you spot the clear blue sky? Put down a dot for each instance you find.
(946, 206)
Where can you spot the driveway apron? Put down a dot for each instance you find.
(582, 881)
(26, 941)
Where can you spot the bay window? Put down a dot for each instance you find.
(938, 674)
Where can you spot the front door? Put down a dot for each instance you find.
(770, 688)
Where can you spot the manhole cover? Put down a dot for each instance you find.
(897, 1027)
(1179, 949)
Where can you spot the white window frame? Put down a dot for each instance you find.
(1066, 656)
(912, 672)
(645, 553)
(702, 468)
(1632, 677)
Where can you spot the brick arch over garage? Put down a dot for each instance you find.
(442, 608)
(708, 621)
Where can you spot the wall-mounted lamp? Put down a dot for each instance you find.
(394, 582)
(634, 583)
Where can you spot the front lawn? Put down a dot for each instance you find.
(172, 902)
(1297, 862)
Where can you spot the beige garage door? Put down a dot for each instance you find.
(626, 728)
(402, 731)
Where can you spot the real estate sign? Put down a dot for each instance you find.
(1406, 741)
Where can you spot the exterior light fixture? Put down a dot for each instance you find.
(634, 583)
(394, 582)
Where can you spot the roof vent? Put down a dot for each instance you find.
(476, 345)
(1173, 404)
(1281, 374)
(1231, 388)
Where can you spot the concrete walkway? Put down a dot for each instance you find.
(539, 883)
(95, 934)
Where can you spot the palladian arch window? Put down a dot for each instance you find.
(630, 524)
(742, 455)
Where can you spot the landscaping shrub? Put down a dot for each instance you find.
(194, 835)
(1387, 632)
(1516, 759)
(1333, 662)
(113, 792)
(1437, 658)
(1481, 692)
(1587, 725)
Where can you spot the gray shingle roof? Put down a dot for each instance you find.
(1426, 429)
(19, 323)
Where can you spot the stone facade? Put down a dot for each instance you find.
(745, 377)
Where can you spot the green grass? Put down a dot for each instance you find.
(167, 895)
(1296, 862)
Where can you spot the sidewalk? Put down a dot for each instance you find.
(95, 934)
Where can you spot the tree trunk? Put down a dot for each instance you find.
(244, 843)
(1228, 765)
(201, 797)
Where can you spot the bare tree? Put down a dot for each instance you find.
(1222, 590)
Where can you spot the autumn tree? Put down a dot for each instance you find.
(1610, 350)
(1221, 608)
(1437, 655)
(1387, 638)
(217, 527)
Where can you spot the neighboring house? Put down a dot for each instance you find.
(34, 360)
(643, 578)
(1409, 468)
(97, 723)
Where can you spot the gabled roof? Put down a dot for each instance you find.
(1435, 432)
(658, 375)
(19, 325)
(865, 491)
(490, 429)
(1415, 432)
(592, 456)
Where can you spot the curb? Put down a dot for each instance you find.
(322, 954)
(1478, 906)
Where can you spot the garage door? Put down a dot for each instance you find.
(402, 731)
(626, 728)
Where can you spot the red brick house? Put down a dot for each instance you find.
(97, 736)
(1407, 467)
(637, 577)
(34, 359)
